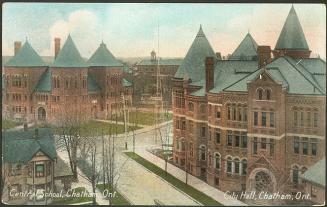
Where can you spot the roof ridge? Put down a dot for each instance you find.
(240, 79)
(314, 84)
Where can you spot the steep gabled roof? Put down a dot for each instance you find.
(193, 64)
(26, 57)
(103, 57)
(292, 36)
(21, 146)
(246, 50)
(69, 56)
(44, 84)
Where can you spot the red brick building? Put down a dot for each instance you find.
(253, 122)
(34, 90)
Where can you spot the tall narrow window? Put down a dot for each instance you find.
(237, 140)
(296, 145)
(245, 114)
(315, 119)
(190, 106)
(263, 143)
(305, 145)
(268, 94)
(255, 145)
(218, 136)
(255, 118)
(203, 131)
(260, 94)
(244, 140)
(295, 118)
(218, 112)
(229, 165)
(234, 112)
(308, 118)
(239, 112)
(229, 138)
(244, 166)
(203, 153)
(236, 166)
(229, 113)
(302, 118)
(264, 119)
(272, 119)
(217, 161)
(313, 146)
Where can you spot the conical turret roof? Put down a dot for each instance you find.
(103, 57)
(69, 56)
(193, 65)
(292, 36)
(26, 57)
(246, 50)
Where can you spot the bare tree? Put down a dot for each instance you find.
(69, 133)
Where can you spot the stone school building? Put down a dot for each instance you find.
(35, 90)
(254, 122)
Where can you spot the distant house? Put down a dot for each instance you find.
(31, 165)
(314, 180)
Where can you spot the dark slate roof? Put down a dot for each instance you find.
(126, 83)
(44, 84)
(61, 169)
(193, 65)
(103, 57)
(316, 173)
(227, 72)
(246, 50)
(26, 57)
(69, 56)
(291, 74)
(21, 146)
(292, 36)
(91, 84)
(162, 61)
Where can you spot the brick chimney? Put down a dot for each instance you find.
(264, 55)
(209, 73)
(57, 46)
(17, 46)
(25, 127)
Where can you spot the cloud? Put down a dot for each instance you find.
(83, 25)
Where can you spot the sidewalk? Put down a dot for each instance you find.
(21, 127)
(192, 181)
(82, 182)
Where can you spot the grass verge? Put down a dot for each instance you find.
(143, 118)
(119, 199)
(189, 190)
(75, 199)
(8, 124)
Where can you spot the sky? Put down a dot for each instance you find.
(133, 30)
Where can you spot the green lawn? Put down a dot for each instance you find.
(71, 200)
(8, 124)
(118, 199)
(194, 193)
(144, 118)
(108, 128)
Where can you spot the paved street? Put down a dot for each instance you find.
(135, 182)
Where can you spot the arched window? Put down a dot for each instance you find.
(229, 165)
(236, 165)
(217, 161)
(244, 166)
(260, 92)
(209, 158)
(295, 174)
(268, 94)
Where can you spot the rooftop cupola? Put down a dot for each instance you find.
(291, 41)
